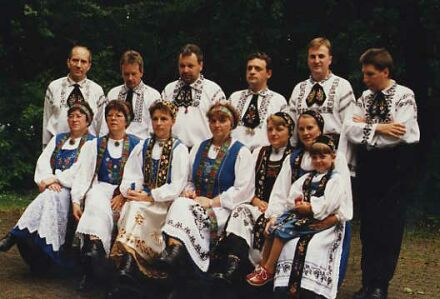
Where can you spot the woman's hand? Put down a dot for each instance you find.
(359, 119)
(269, 225)
(139, 195)
(76, 211)
(260, 204)
(117, 202)
(188, 194)
(55, 187)
(325, 223)
(46, 183)
(205, 202)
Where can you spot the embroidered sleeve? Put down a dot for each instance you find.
(133, 172)
(219, 95)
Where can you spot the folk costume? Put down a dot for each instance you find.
(141, 98)
(254, 109)
(384, 170)
(247, 222)
(44, 222)
(222, 172)
(101, 166)
(161, 169)
(325, 252)
(334, 99)
(61, 94)
(193, 101)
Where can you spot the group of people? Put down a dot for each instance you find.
(163, 187)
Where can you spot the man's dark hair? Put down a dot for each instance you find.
(189, 49)
(262, 56)
(379, 57)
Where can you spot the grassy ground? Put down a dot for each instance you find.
(417, 275)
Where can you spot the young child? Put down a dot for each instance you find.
(315, 196)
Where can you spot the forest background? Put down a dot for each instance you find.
(36, 36)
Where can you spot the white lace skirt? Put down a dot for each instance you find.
(242, 223)
(140, 232)
(47, 215)
(97, 218)
(321, 267)
(188, 222)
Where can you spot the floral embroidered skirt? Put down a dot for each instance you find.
(188, 222)
(140, 234)
(322, 262)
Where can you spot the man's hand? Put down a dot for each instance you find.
(396, 130)
(359, 119)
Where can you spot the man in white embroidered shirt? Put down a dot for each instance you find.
(194, 95)
(62, 93)
(385, 128)
(256, 103)
(326, 93)
(136, 92)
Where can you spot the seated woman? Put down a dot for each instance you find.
(244, 230)
(100, 170)
(313, 197)
(41, 230)
(221, 180)
(155, 174)
(311, 264)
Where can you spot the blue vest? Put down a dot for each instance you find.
(225, 176)
(64, 159)
(113, 176)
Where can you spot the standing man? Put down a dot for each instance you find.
(136, 92)
(385, 128)
(326, 93)
(194, 95)
(62, 93)
(256, 103)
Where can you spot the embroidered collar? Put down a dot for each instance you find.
(312, 81)
(278, 150)
(80, 83)
(196, 85)
(264, 92)
(389, 91)
(137, 89)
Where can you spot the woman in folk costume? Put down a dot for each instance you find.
(245, 226)
(155, 175)
(41, 230)
(219, 171)
(96, 186)
(313, 263)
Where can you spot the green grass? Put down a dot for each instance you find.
(11, 201)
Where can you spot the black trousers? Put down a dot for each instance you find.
(384, 180)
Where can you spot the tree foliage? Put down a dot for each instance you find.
(36, 35)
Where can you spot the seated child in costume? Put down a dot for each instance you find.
(314, 196)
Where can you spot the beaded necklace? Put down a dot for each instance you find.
(163, 169)
(218, 160)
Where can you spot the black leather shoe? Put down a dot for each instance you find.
(127, 269)
(361, 294)
(171, 257)
(85, 283)
(231, 273)
(96, 249)
(7, 242)
(377, 293)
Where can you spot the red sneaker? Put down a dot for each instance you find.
(260, 277)
(252, 274)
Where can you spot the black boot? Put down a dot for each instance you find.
(232, 271)
(171, 257)
(7, 242)
(85, 281)
(96, 249)
(361, 293)
(127, 269)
